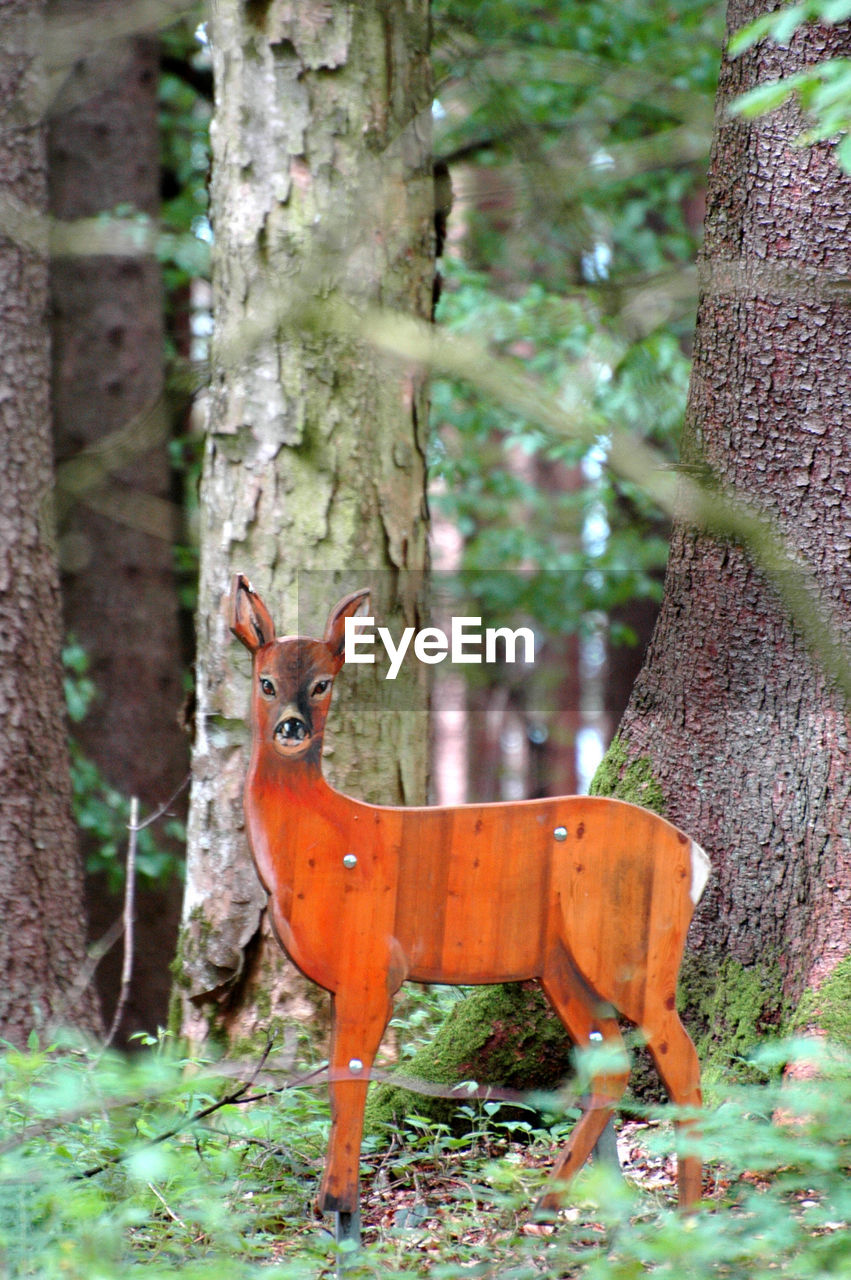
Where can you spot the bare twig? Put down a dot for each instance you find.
(164, 1204)
(97, 952)
(164, 808)
(129, 914)
(104, 944)
(238, 1095)
(129, 917)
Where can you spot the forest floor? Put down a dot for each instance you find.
(423, 1203)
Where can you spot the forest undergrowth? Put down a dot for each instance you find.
(153, 1162)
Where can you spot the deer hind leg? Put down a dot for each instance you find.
(358, 1019)
(575, 1007)
(677, 1063)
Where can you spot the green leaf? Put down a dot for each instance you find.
(787, 22)
(835, 11)
(750, 35)
(843, 153)
(766, 97)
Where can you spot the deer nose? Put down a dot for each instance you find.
(291, 727)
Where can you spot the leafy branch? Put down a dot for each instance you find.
(823, 90)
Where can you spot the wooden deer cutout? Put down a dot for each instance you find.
(591, 896)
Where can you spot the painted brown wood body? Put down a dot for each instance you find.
(475, 893)
(591, 896)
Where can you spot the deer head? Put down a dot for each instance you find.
(292, 677)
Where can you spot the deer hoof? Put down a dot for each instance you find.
(347, 1228)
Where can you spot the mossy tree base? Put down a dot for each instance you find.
(728, 1009)
(828, 1010)
(501, 1035)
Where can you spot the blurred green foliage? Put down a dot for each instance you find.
(102, 1167)
(185, 109)
(574, 548)
(578, 139)
(100, 810)
(162, 1164)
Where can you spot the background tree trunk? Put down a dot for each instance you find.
(117, 536)
(314, 469)
(732, 731)
(42, 941)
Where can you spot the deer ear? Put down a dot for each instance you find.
(354, 606)
(248, 617)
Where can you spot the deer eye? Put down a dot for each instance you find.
(321, 687)
(267, 687)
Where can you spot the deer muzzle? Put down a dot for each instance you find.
(291, 729)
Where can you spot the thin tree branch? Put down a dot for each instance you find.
(129, 921)
(164, 808)
(104, 944)
(236, 1096)
(170, 1212)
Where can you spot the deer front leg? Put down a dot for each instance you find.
(359, 1016)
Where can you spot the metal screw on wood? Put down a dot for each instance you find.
(355, 1065)
(560, 833)
(350, 860)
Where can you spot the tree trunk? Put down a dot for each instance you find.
(118, 586)
(42, 941)
(739, 727)
(314, 469)
(732, 731)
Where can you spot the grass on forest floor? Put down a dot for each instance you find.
(152, 1163)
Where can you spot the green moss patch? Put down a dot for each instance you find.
(728, 1009)
(623, 779)
(503, 1035)
(829, 1008)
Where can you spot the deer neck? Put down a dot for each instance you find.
(281, 795)
(293, 781)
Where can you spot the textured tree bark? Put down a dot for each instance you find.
(42, 940)
(117, 535)
(314, 470)
(732, 731)
(745, 738)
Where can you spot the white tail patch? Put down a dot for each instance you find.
(700, 869)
